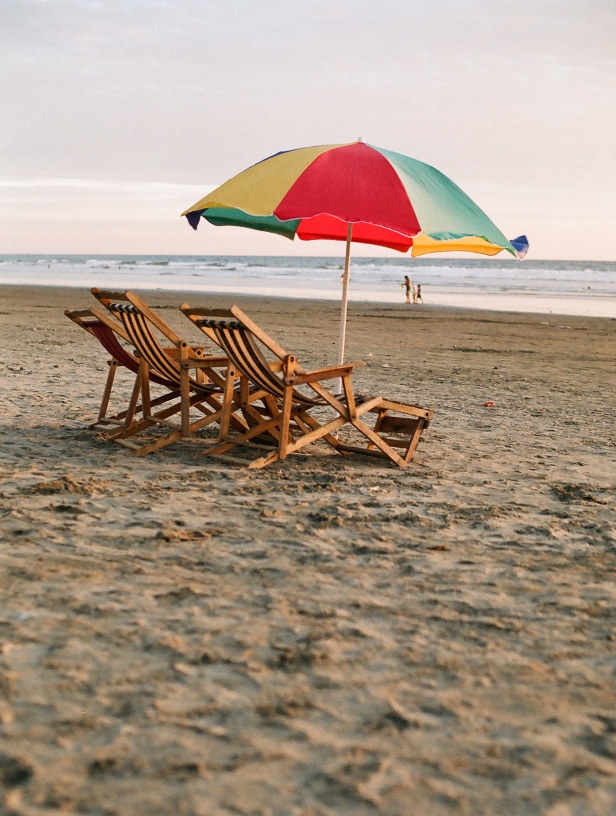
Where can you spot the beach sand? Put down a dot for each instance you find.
(331, 635)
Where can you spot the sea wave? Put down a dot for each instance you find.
(577, 287)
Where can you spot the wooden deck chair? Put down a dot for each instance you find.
(107, 332)
(300, 398)
(200, 378)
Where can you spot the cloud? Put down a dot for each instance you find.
(112, 103)
(157, 188)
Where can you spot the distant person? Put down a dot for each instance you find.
(407, 288)
(419, 298)
(414, 295)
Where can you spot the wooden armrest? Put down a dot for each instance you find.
(174, 352)
(209, 362)
(206, 362)
(329, 373)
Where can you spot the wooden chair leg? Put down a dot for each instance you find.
(414, 440)
(144, 375)
(377, 426)
(227, 404)
(129, 415)
(349, 396)
(285, 418)
(184, 389)
(113, 367)
(379, 443)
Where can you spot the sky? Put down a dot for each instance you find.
(120, 114)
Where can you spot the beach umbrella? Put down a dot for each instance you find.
(354, 193)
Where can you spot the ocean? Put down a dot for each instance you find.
(558, 287)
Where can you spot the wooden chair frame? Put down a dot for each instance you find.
(195, 380)
(290, 415)
(107, 331)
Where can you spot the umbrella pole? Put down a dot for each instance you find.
(345, 300)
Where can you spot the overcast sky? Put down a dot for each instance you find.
(119, 114)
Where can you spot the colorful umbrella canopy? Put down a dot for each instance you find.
(354, 192)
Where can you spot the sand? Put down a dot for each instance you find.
(330, 635)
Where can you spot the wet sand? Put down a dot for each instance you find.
(330, 635)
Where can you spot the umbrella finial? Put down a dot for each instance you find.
(360, 138)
